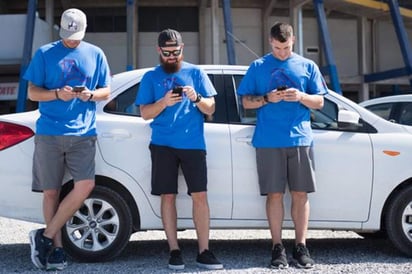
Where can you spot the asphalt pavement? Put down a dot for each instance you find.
(241, 251)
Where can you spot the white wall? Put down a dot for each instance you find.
(310, 32)
(247, 28)
(42, 34)
(12, 29)
(113, 45)
(146, 53)
(344, 38)
(388, 50)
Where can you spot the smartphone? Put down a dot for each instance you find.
(282, 87)
(178, 90)
(78, 88)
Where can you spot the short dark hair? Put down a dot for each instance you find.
(281, 31)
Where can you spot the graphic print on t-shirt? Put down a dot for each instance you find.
(71, 73)
(279, 77)
(183, 107)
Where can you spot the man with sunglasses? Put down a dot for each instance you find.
(177, 95)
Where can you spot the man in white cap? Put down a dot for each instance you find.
(66, 77)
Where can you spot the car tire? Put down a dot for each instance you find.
(398, 221)
(100, 229)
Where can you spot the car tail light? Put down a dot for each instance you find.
(12, 134)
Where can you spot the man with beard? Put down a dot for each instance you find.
(177, 95)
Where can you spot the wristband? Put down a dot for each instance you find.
(198, 98)
(57, 95)
(91, 97)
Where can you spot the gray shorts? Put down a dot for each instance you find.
(54, 154)
(280, 166)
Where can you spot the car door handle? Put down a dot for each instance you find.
(247, 140)
(116, 134)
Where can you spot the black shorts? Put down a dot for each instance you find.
(165, 167)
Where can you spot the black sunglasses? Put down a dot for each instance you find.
(168, 53)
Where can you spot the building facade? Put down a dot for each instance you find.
(363, 39)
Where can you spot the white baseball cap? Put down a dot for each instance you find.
(73, 24)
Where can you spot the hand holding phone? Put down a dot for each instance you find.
(79, 88)
(178, 90)
(283, 87)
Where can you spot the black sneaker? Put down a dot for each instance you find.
(302, 257)
(207, 260)
(175, 260)
(279, 260)
(57, 259)
(40, 248)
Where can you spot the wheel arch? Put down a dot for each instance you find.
(392, 195)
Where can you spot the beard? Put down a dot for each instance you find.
(171, 65)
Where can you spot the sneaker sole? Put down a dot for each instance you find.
(176, 267)
(298, 265)
(279, 266)
(56, 266)
(304, 266)
(34, 254)
(210, 266)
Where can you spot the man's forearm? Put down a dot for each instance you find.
(253, 101)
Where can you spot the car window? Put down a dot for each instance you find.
(230, 102)
(124, 103)
(229, 107)
(226, 106)
(405, 116)
(383, 110)
(220, 107)
(325, 118)
(247, 116)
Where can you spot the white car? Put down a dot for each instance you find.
(363, 171)
(395, 108)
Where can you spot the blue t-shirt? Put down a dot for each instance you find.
(282, 124)
(54, 66)
(181, 125)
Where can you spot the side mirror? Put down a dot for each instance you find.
(348, 119)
